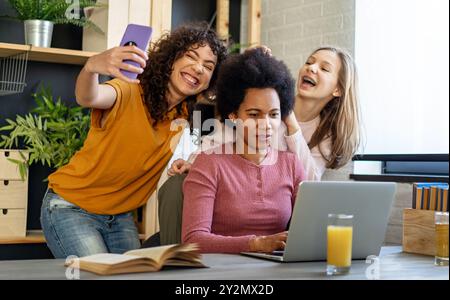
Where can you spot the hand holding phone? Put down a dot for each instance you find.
(139, 36)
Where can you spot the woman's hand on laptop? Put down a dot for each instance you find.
(178, 167)
(270, 243)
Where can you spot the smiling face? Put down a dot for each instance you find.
(259, 116)
(318, 78)
(192, 72)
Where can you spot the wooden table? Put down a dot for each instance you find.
(394, 264)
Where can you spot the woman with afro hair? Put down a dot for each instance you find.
(88, 206)
(239, 197)
(323, 129)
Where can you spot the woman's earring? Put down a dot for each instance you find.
(337, 94)
(210, 96)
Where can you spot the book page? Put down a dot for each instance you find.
(155, 253)
(160, 254)
(107, 259)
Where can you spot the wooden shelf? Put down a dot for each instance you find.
(49, 55)
(33, 237)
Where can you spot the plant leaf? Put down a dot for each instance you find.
(52, 133)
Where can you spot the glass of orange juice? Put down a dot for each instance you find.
(339, 245)
(441, 227)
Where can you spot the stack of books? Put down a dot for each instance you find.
(430, 196)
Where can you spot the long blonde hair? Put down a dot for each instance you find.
(340, 118)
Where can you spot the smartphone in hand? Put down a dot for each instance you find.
(139, 36)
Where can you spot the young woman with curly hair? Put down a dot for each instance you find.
(88, 206)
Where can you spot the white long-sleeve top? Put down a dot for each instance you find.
(313, 161)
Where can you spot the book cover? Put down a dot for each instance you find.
(445, 199)
(439, 203)
(417, 196)
(425, 205)
(433, 198)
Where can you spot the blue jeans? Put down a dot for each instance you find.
(70, 230)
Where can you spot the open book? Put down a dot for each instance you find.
(141, 260)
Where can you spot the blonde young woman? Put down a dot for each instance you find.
(323, 129)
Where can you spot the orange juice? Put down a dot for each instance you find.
(339, 250)
(442, 240)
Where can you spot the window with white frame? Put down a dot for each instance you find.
(402, 53)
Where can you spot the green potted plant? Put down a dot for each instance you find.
(39, 16)
(51, 133)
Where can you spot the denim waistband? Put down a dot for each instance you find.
(57, 199)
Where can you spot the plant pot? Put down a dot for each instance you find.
(38, 33)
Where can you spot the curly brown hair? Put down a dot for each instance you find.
(164, 53)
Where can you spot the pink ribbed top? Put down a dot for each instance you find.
(228, 199)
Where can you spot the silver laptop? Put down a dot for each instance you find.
(369, 203)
